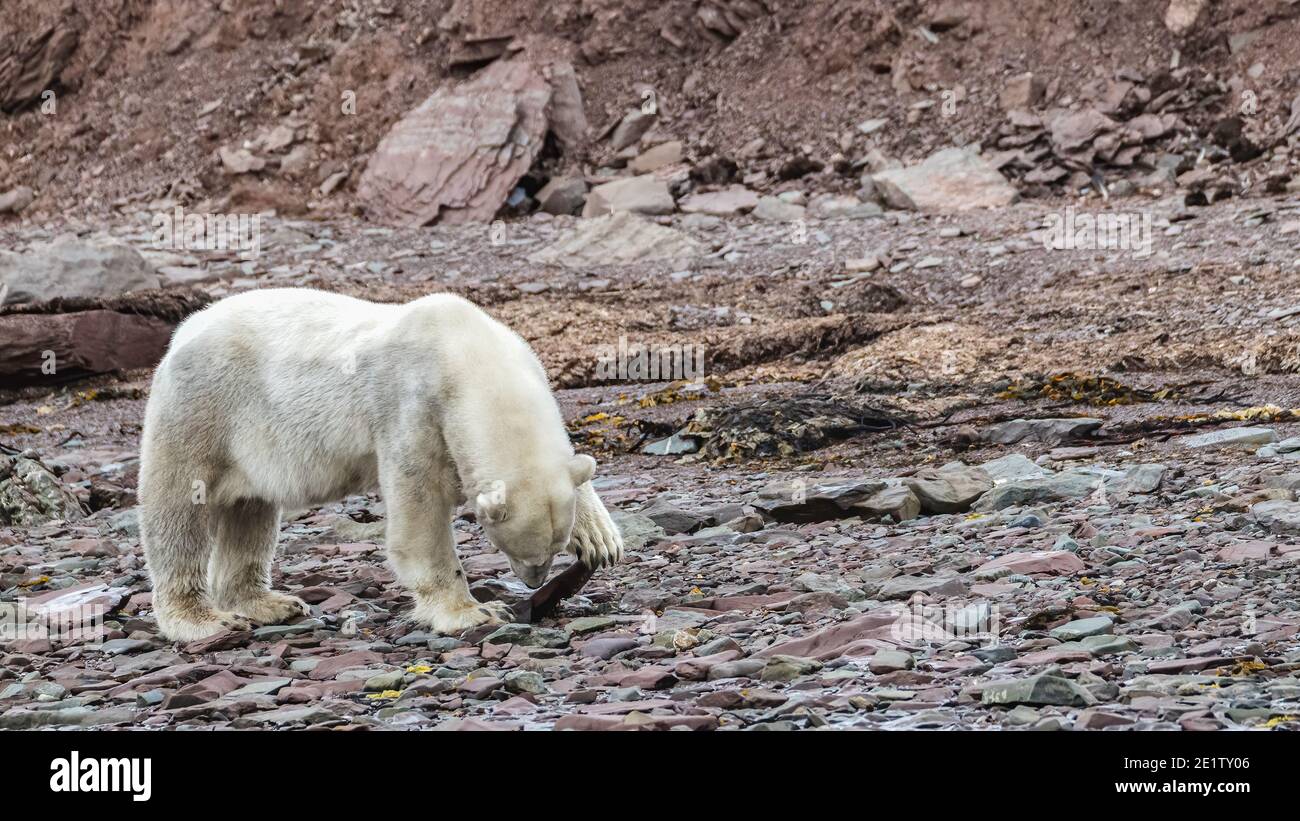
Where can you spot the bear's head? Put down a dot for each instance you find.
(530, 517)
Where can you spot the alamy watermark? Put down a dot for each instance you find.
(920, 622)
(654, 363)
(1107, 231)
(179, 231)
(73, 625)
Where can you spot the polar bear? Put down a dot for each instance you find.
(288, 398)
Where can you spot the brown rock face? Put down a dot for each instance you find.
(456, 157)
(35, 65)
(82, 343)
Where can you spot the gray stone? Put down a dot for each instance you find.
(528, 635)
(1013, 466)
(1278, 515)
(842, 206)
(589, 624)
(635, 123)
(1082, 628)
(69, 267)
(727, 202)
(897, 501)
(380, 682)
(269, 687)
(1043, 689)
(1143, 478)
(117, 647)
(1056, 488)
(889, 661)
(652, 159)
(1104, 645)
(637, 530)
(742, 668)
(30, 494)
(672, 446)
(525, 681)
(275, 632)
(904, 587)
(788, 668)
(792, 502)
(1231, 437)
(671, 518)
(952, 488)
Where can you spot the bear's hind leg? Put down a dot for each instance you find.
(174, 531)
(240, 570)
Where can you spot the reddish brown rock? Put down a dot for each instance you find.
(457, 156)
(1055, 562)
(85, 342)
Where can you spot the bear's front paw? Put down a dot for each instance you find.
(597, 542)
(452, 620)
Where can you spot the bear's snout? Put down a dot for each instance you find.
(530, 573)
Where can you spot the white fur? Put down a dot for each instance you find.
(288, 398)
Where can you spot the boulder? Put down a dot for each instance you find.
(952, 488)
(1278, 515)
(897, 501)
(787, 502)
(457, 156)
(81, 343)
(1054, 488)
(1013, 466)
(31, 495)
(69, 267)
(954, 179)
(566, 113)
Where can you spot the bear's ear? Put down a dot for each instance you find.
(490, 506)
(581, 468)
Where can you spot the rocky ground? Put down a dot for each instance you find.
(976, 483)
(909, 456)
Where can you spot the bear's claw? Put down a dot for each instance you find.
(595, 539)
